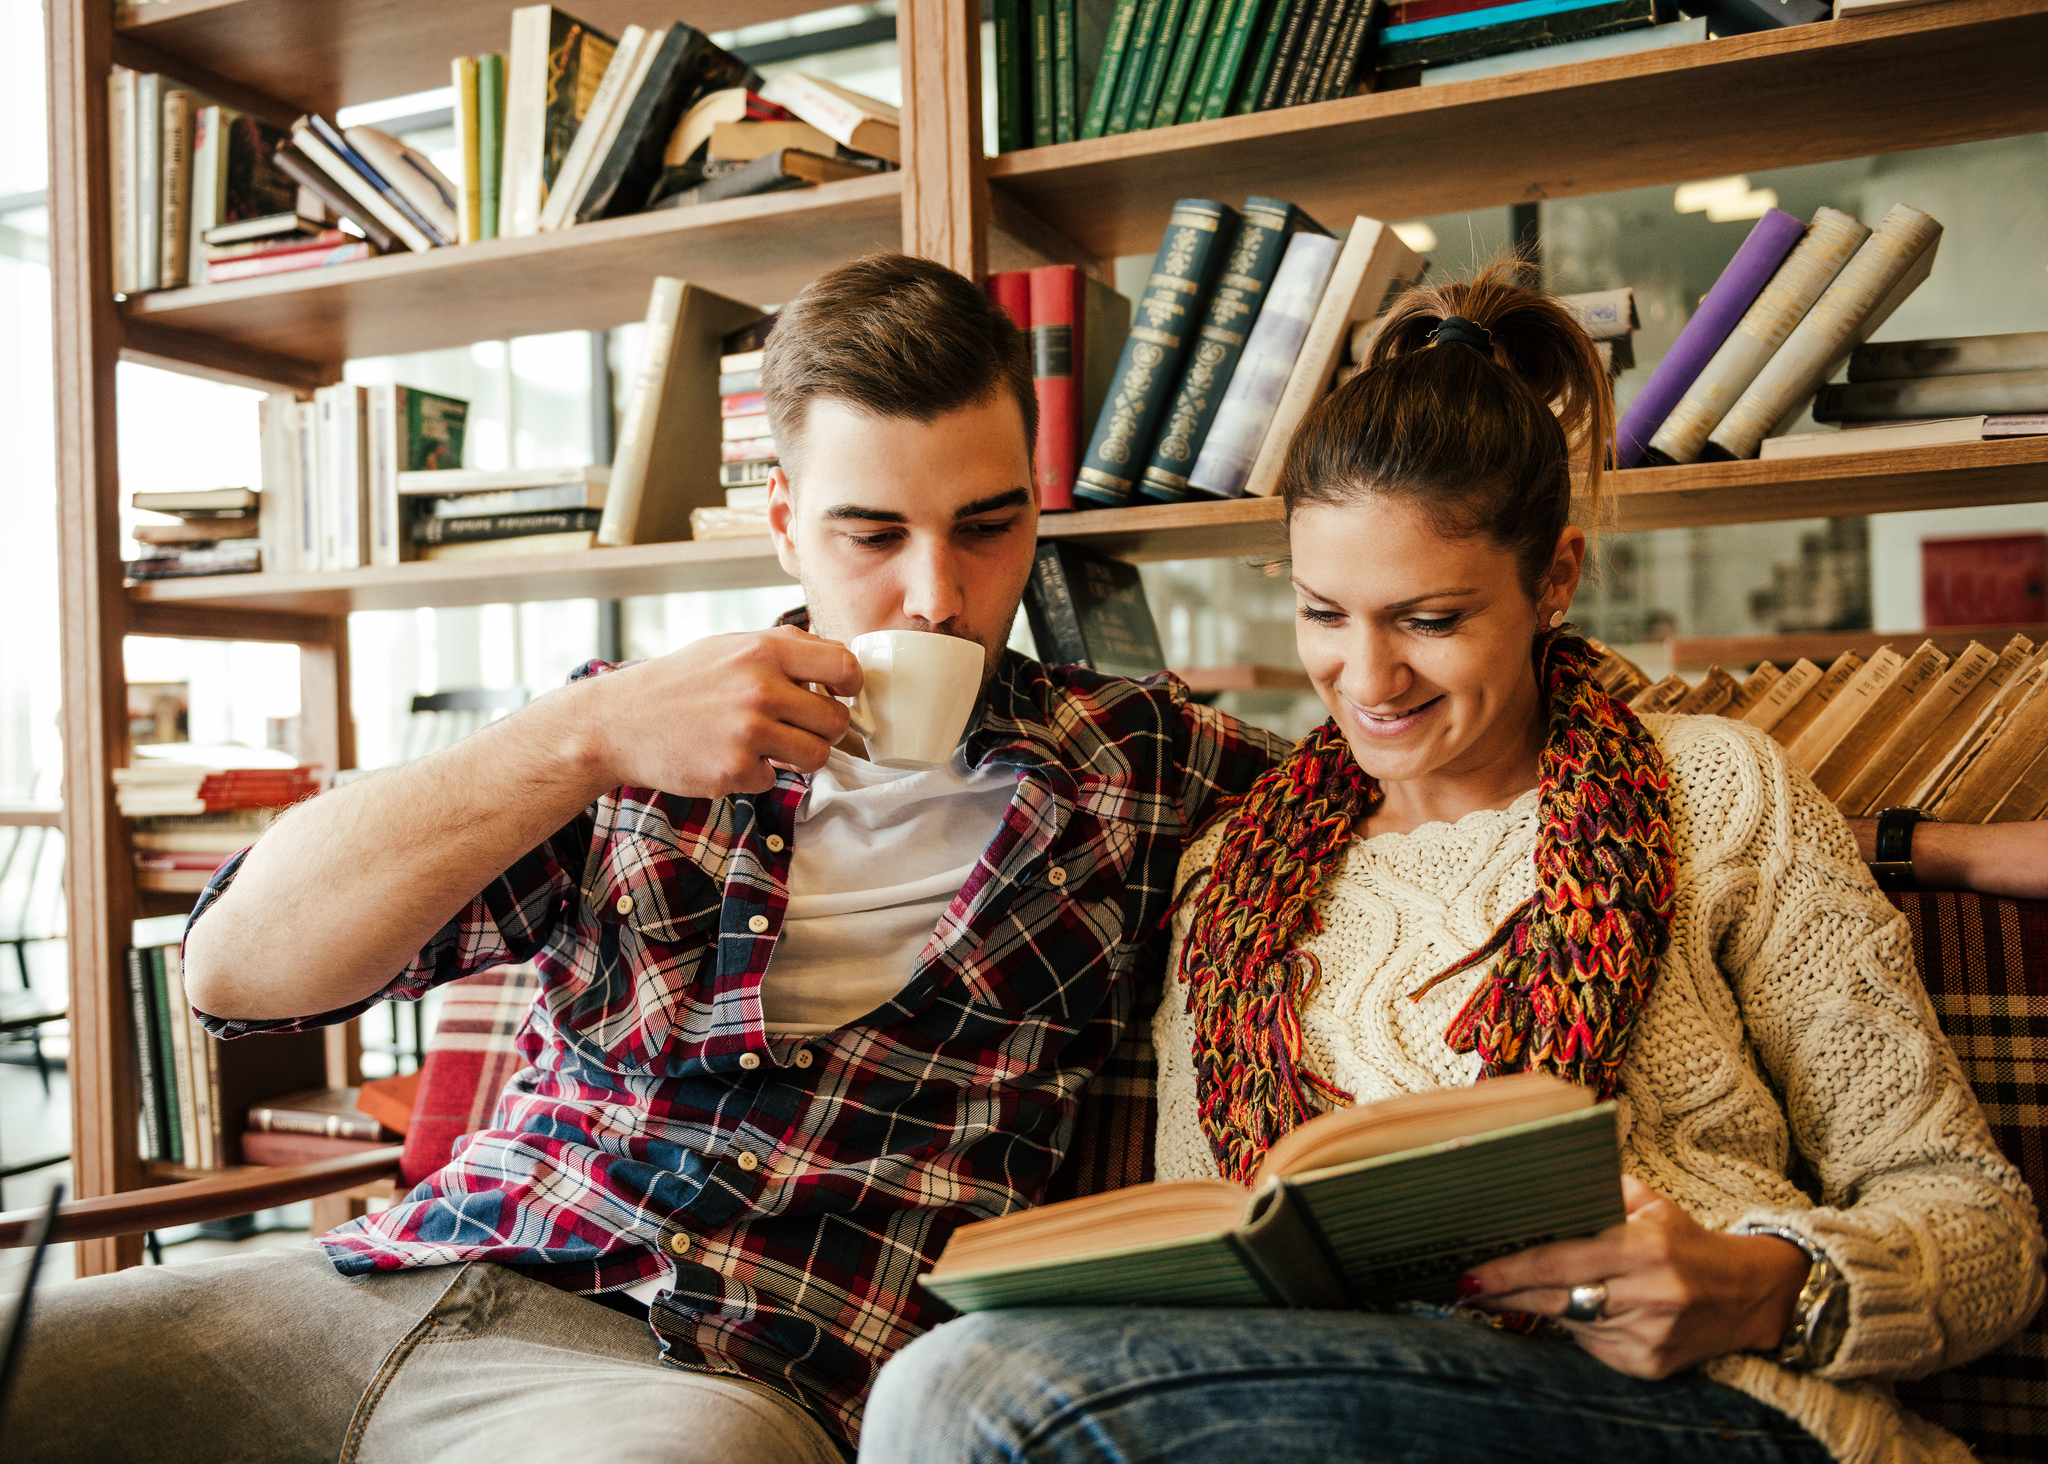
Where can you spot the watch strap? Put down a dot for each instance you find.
(1893, 865)
(1808, 1342)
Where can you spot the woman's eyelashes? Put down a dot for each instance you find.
(1419, 624)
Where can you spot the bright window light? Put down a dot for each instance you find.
(1724, 200)
(1417, 235)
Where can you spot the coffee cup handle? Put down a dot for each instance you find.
(854, 719)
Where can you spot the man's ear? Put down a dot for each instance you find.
(782, 519)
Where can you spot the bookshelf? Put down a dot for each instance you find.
(1942, 73)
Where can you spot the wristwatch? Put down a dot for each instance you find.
(1893, 865)
(1821, 1316)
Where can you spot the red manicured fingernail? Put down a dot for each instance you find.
(1469, 1286)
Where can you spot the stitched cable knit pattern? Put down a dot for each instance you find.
(1786, 1013)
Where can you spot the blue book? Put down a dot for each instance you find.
(328, 133)
(1444, 25)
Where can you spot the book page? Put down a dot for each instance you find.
(1416, 1120)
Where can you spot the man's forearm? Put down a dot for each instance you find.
(344, 890)
(2009, 859)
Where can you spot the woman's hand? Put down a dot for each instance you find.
(1678, 1294)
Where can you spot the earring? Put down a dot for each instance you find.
(1556, 619)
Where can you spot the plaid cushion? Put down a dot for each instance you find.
(468, 1063)
(1985, 962)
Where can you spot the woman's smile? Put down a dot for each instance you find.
(1391, 724)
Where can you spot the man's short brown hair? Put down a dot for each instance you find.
(892, 336)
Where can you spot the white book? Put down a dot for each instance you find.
(1232, 446)
(1831, 240)
(414, 175)
(629, 66)
(1890, 266)
(498, 480)
(1889, 438)
(209, 190)
(521, 189)
(308, 526)
(121, 136)
(381, 439)
(847, 117)
(356, 186)
(1373, 266)
(176, 211)
(1604, 315)
(278, 516)
(343, 480)
(149, 179)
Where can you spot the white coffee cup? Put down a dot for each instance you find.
(917, 691)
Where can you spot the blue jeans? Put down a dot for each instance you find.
(1170, 1386)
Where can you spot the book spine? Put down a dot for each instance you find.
(505, 525)
(1049, 606)
(742, 404)
(358, 1126)
(643, 408)
(147, 1078)
(520, 187)
(328, 492)
(1350, 48)
(490, 141)
(1233, 309)
(1011, 289)
(1812, 265)
(1235, 436)
(121, 176)
(1158, 61)
(1163, 326)
(1765, 248)
(1013, 91)
(1221, 28)
(1534, 24)
(352, 478)
(1110, 72)
(291, 261)
(1137, 59)
(1066, 122)
(1044, 101)
(1318, 36)
(358, 187)
(597, 130)
(1895, 255)
(178, 1027)
(1273, 83)
(306, 480)
(277, 518)
(1187, 51)
(300, 169)
(1249, 24)
(1988, 393)
(1960, 356)
(162, 1017)
(463, 71)
(149, 174)
(175, 245)
(204, 212)
(383, 434)
(1260, 60)
(1055, 305)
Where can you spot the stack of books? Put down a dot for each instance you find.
(194, 1087)
(1243, 325)
(1077, 325)
(1609, 320)
(195, 806)
(1965, 738)
(1784, 316)
(332, 470)
(216, 531)
(467, 513)
(1928, 393)
(320, 1123)
(746, 453)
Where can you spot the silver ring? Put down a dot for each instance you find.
(1586, 1303)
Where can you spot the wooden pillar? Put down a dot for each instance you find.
(945, 197)
(327, 728)
(99, 875)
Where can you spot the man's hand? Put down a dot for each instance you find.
(1678, 1294)
(719, 715)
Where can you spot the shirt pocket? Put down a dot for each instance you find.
(649, 969)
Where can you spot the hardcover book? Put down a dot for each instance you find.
(1952, 356)
(328, 1112)
(552, 75)
(409, 431)
(1982, 393)
(1365, 1207)
(1087, 609)
(686, 66)
(1109, 72)
(1077, 327)
(1197, 239)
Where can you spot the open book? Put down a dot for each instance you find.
(1364, 1207)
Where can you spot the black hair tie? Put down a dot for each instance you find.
(1457, 330)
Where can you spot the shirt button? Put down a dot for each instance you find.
(748, 1161)
(750, 1060)
(775, 845)
(758, 924)
(803, 1057)
(624, 904)
(679, 1244)
(1057, 876)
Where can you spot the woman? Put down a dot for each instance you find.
(1482, 864)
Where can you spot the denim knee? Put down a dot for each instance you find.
(929, 1387)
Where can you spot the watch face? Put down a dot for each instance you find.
(1830, 1322)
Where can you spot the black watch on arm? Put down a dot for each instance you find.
(1893, 865)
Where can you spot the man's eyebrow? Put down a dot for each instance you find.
(1301, 585)
(1008, 498)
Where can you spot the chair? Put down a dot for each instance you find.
(446, 717)
(24, 1013)
(1984, 961)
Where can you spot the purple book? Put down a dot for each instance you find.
(1740, 283)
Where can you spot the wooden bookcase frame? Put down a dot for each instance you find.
(1962, 70)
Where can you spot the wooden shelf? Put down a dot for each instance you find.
(1244, 678)
(1960, 71)
(2012, 471)
(591, 277)
(317, 57)
(1822, 646)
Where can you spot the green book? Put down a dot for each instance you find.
(1137, 56)
(1233, 308)
(161, 1017)
(1013, 77)
(1167, 38)
(1215, 32)
(1248, 24)
(1093, 21)
(1318, 39)
(1065, 115)
(1107, 74)
(490, 140)
(1293, 31)
(1198, 235)
(1367, 1207)
(1043, 127)
(1261, 65)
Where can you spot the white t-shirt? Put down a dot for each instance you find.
(849, 939)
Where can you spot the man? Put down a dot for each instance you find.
(800, 1016)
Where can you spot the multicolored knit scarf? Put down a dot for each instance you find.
(1572, 966)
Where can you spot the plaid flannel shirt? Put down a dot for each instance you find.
(799, 1186)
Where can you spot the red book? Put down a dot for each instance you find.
(746, 450)
(327, 1113)
(1057, 351)
(742, 404)
(1012, 290)
(156, 860)
(290, 244)
(220, 271)
(1408, 12)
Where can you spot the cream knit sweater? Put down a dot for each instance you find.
(1786, 1011)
